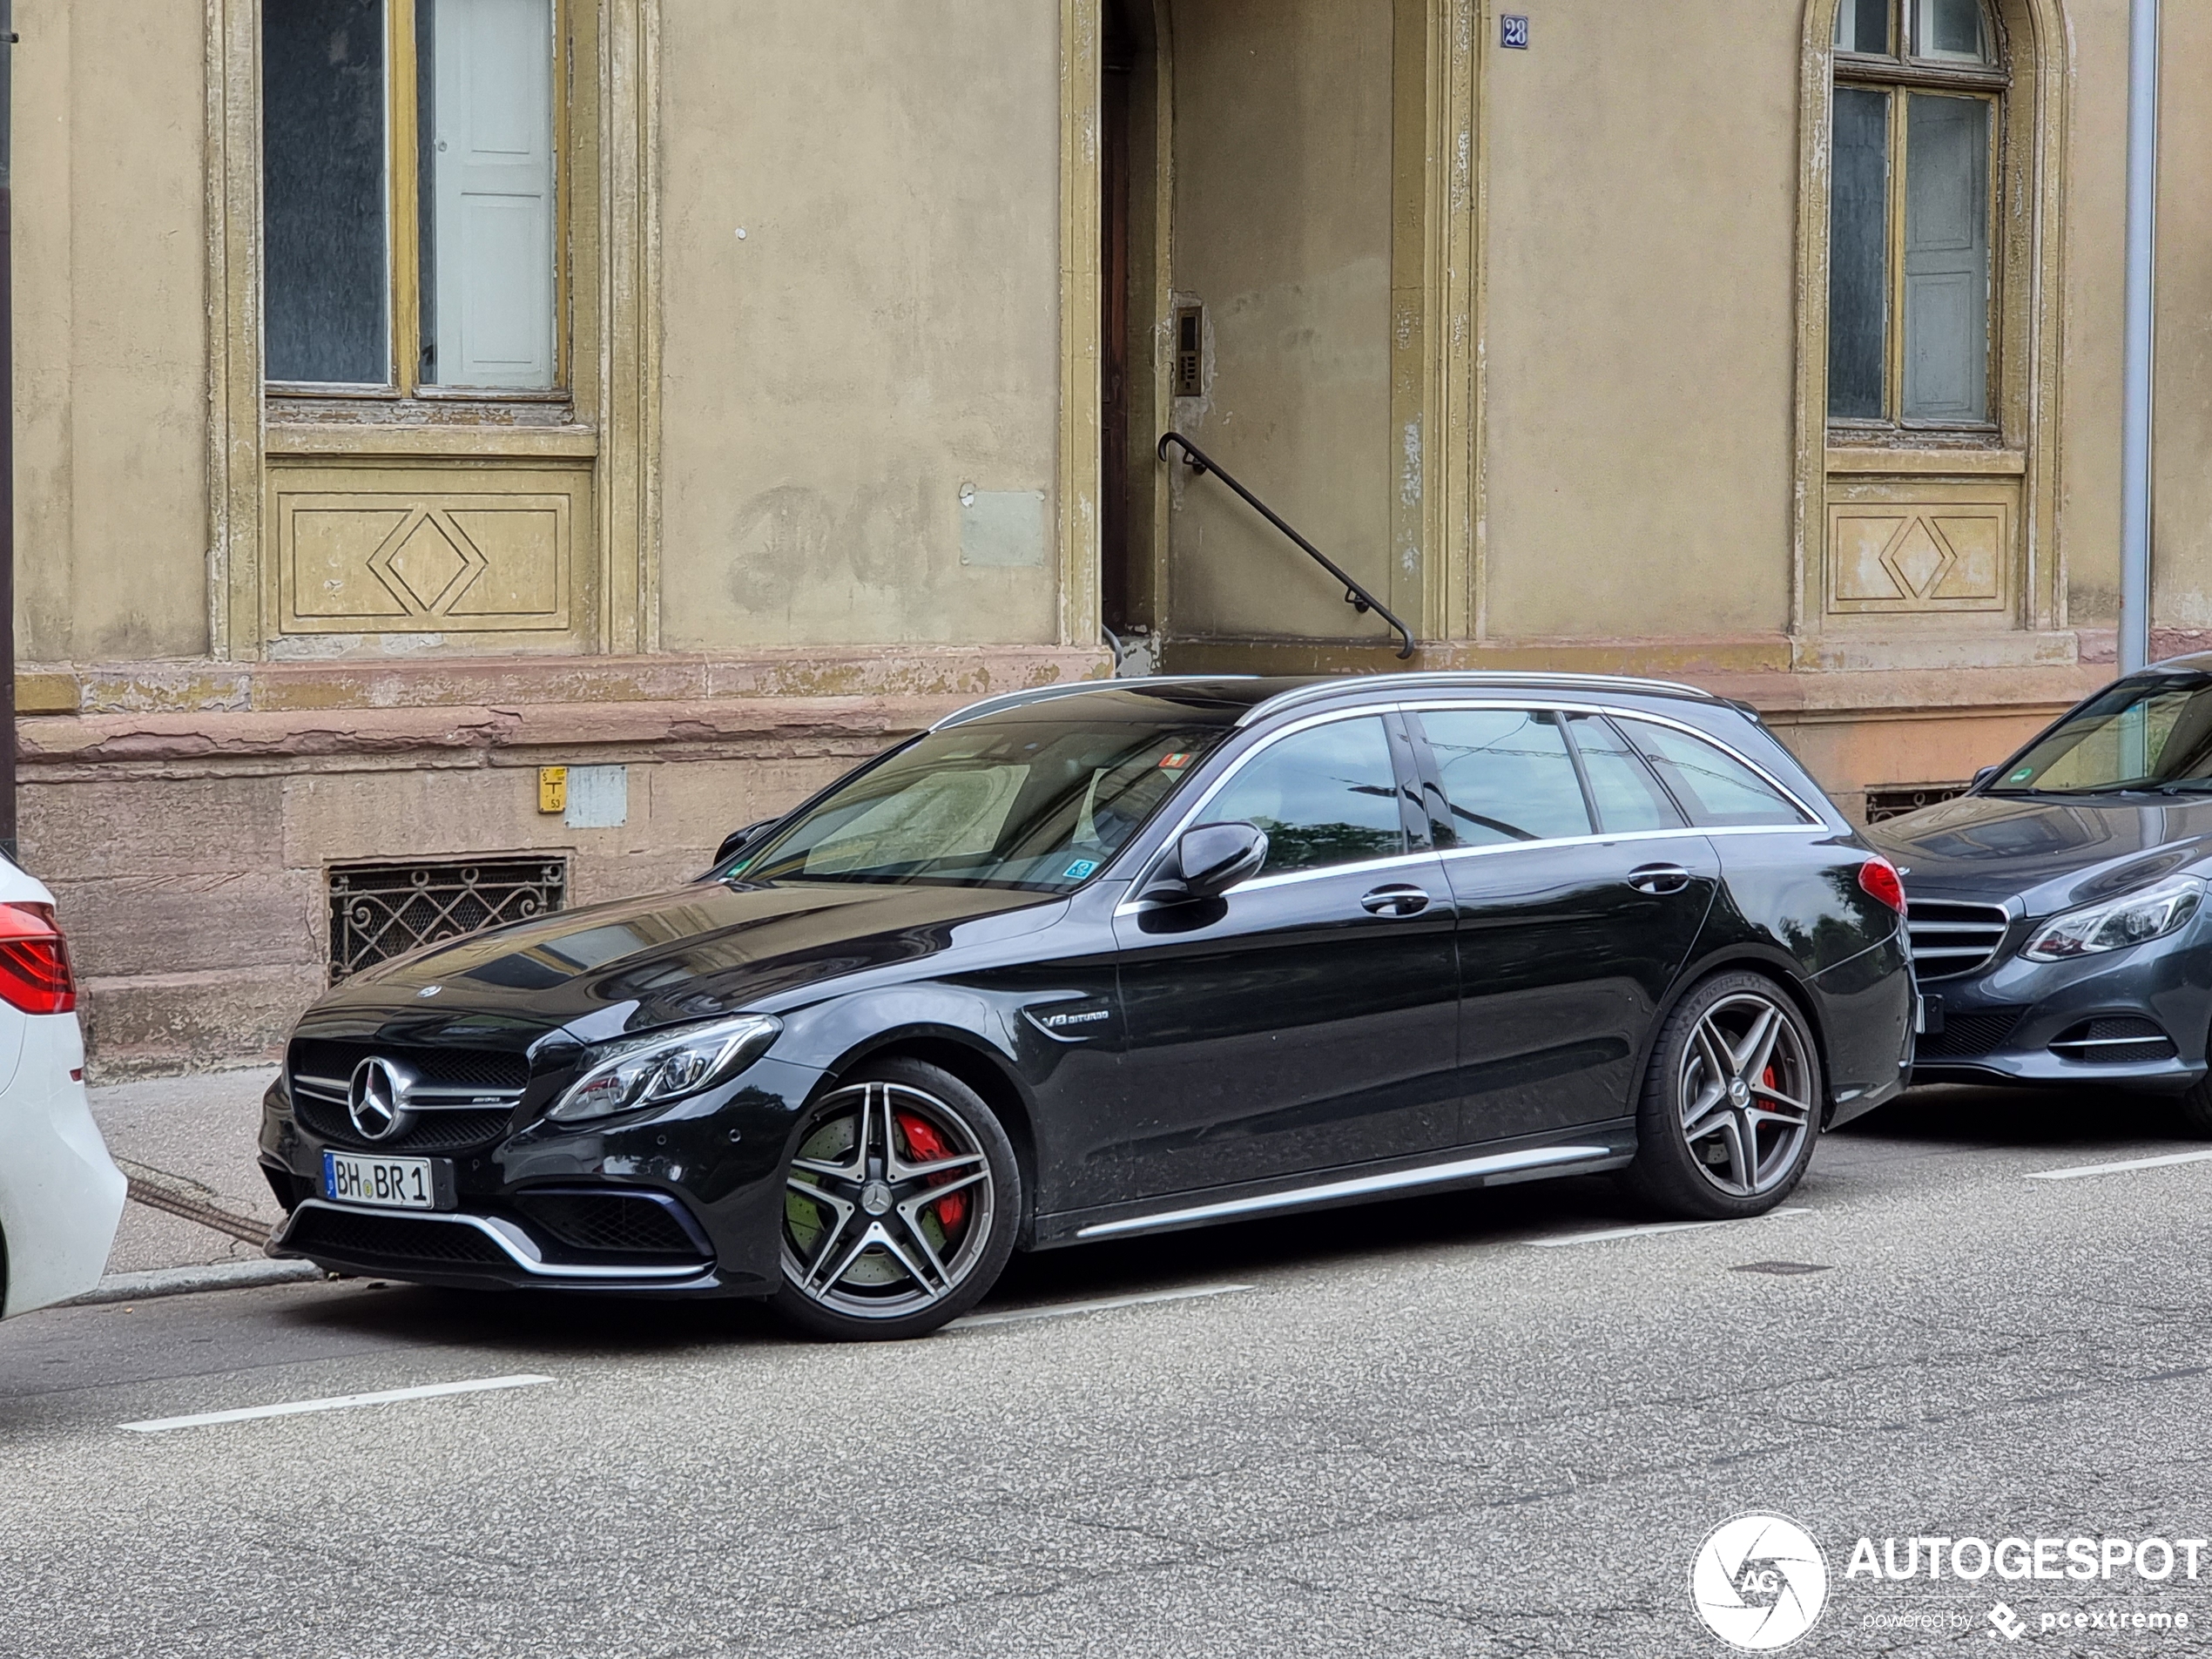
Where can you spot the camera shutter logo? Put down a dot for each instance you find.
(1759, 1582)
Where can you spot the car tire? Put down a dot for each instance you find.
(902, 1199)
(1731, 1104)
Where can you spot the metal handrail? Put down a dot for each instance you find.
(1355, 596)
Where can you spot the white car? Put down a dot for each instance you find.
(61, 1195)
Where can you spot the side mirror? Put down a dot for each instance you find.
(1983, 777)
(1208, 860)
(734, 842)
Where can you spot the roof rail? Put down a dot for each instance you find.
(1046, 694)
(1473, 679)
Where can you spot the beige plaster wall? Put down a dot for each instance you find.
(884, 334)
(110, 330)
(1642, 240)
(2181, 531)
(1281, 216)
(2096, 224)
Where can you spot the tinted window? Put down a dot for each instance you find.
(1713, 788)
(1629, 797)
(1324, 796)
(1507, 776)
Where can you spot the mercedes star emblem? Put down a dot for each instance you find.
(377, 1100)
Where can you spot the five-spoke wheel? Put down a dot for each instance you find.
(1732, 1103)
(900, 1204)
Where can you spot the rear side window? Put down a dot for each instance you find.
(1627, 795)
(1507, 776)
(1715, 788)
(1326, 795)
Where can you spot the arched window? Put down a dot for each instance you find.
(1917, 133)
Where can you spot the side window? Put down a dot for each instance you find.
(1713, 788)
(1507, 776)
(1328, 795)
(1628, 797)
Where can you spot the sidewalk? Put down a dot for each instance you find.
(187, 1144)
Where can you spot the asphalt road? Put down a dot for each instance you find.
(1421, 1428)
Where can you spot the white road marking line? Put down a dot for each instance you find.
(1646, 1231)
(1059, 1310)
(2078, 1171)
(335, 1403)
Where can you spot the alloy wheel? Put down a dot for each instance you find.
(1746, 1088)
(888, 1204)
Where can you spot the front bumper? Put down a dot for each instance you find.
(2001, 1025)
(710, 1166)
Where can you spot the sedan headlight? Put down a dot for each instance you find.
(663, 1066)
(2118, 923)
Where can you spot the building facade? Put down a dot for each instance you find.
(416, 396)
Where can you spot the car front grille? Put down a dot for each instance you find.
(1969, 1036)
(462, 1098)
(1951, 940)
(609, 1223)
(445, 1131)
(400, 1241)
(2116, 1039)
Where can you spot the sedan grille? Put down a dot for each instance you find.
(326, 1120)
(1950, 940)
(2117, 1040)
(398, 1240)
(1969, 1036)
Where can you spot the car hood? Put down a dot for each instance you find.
(711, 949)
(2051, 853)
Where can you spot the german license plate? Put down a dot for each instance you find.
(391, 1184)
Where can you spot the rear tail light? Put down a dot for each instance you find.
(1877, 877)
(34, 961)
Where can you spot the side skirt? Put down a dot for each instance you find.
(1593, 1148)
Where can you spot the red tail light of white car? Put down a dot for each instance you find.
(61, 1197)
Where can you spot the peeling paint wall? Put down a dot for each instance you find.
(882, 337)
(1282, 229)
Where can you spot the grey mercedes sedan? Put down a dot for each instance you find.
(2058, 916)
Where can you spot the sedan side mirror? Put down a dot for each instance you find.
(734, 842)
(1207, 861)
(1983, 777)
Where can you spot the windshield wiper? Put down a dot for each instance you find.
(2187, 787)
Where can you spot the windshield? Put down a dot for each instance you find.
(2150, 734)
(1039, 805)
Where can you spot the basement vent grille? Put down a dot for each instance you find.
(1882, 805)
(379, 911)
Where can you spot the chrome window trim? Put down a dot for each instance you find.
(518, 1246)
(1131, 905)
(1356, 1187)
(1502, 681)
(1682, 726)
(1814, 821)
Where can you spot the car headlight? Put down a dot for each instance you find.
(2118, 923)
(663, 1066)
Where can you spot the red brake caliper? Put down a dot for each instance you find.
(927, 1144)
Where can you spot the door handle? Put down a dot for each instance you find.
(1395, 901)
(1659, 878)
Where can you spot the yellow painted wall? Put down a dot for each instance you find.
(1643, 190)
(110, 330)
(2181, 551)
(885, 334)
(2096, 225)
(1282, 181)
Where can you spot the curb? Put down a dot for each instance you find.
(185, 1281)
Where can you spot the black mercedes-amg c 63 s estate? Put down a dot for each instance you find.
(1115, 958)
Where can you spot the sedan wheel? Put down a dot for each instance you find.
(1731, 1105)
(899, 1206)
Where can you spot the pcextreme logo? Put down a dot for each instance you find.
(1759, 1582)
